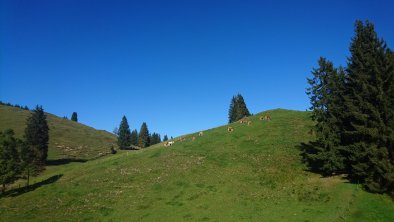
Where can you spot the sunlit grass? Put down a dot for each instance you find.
(251, 174)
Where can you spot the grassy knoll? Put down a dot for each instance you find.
(67, 139)
(251, 174)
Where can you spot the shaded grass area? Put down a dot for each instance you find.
(67, 139)
(24, 189)
(252, 174)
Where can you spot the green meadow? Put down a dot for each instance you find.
(254, 173)
(67, 139)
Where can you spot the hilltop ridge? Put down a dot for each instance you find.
(67, 139)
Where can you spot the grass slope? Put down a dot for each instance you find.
(251, 174)
(67, 139)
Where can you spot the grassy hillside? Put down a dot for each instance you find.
(67, 139)
(251, 174)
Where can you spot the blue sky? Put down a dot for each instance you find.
(172, 64)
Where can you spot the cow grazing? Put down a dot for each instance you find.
(244, 120)
(230, 129)
(201, 133)
(169, 143)
(266, 117)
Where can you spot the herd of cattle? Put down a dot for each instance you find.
(244, 120)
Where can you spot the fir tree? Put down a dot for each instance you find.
(37, 136)
(155, 139)
(134, 137)
(238, 109)
(74, 117)
(232, 111)
(124, 134)
(165, 138)
(241, 109)
(9, 159)
(325, 93)
(367, 130)
(143, 137)
(27, 165)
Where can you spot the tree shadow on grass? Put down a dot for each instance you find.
(312, 165)
(19, 191)
(64, 161)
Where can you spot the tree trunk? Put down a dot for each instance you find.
(28, 177)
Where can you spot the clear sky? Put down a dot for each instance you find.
(172, 64)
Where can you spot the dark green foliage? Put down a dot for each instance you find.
(134, 137)
(232, 112)
(112, 150)
(326, 87)
(242, 110)
(9, 158)
(16, 105)
(368, 121)
(27, 164)
(143, 137)
(165, 138)
(124, 135)
(238, 109)
(74, 117)
(155, 139)
(37, 136)
(354, 114)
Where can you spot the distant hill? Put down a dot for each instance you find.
(67, 139)
(254, 173)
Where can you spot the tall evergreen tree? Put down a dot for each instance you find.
(241, 109)
(232, 111)
(367, 130)
(238, 109)
(165, 138)
(155, 139)
(325, 93)
(124, 134)
(9, 159)
(354, 113)
(27, 165)
(74, 117)
(143, 137)
(37, 136)
(134, 137)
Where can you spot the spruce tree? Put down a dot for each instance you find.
(238, 109)
(27, 165)
(143, 137)
(325, 92)
(134, 137)
(37, 136)
(367, 129)
(74, 117)
(124, 134)
(9, 159)
(241, 109)
(155, 139)
(232, 111)
(165, 138)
